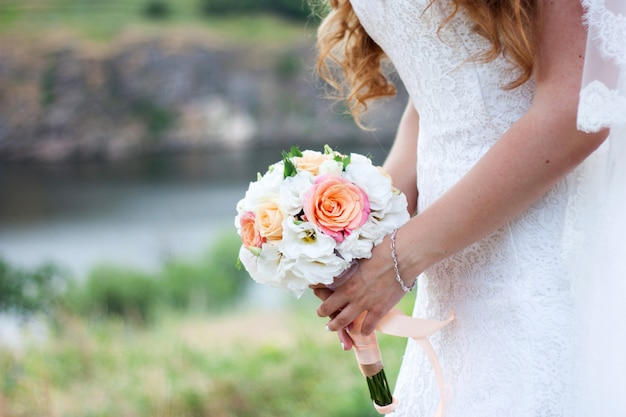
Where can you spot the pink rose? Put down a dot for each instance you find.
(250, 236)
(336, 206)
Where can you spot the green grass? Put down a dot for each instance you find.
(242, 364)
(104, 21)
(102, 359)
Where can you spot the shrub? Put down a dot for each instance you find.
(211, 7)
(289, 8)
(29, 291)
(210, 284)
(299, 10)
(157, 10)
(288, 65)
(155, 118)
(115, 291)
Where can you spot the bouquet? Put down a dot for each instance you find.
(309, 218)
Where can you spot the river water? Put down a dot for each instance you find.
(130, 212)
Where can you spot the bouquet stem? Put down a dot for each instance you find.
(370, 363)
(379, 388)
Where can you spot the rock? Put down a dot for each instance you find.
(63, 101)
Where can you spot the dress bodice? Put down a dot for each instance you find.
(459, 98)
(438, 63)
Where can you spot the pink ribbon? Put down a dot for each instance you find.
(396, 323)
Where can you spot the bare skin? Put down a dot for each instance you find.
(534, 154)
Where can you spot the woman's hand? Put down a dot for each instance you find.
(323, 293)
(372, 288)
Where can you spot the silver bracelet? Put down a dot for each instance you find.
(395, 264)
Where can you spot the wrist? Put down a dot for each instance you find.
(407, 284)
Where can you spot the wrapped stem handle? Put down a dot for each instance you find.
(365, 348)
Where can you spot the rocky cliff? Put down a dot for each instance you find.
(63, 99)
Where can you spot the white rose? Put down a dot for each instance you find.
(264, 268)
(304, 272)
(264, 189)
(303, 239)
(377, 186)
(359, 159)
(292, 191)
(331, 167)
(359, 244)
(293, 279)
(395, 215)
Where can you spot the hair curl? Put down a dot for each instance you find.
(343, 44)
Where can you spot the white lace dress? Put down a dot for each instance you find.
(509, 351)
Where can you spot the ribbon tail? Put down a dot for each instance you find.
(434, 362)
(396, 323)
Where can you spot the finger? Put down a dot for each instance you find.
(322, 293)
(370, 322)
(314, 286)
(346, 340)
(344, 317)
(333, 303)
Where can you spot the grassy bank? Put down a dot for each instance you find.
(102, 356)
(104, 21)
(240, 364)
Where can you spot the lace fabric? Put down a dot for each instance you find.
(600, 107)
(600, 225)
(510, 350)
(603, 92)
(607, 28)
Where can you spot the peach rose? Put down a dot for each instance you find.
(250, 236)
(268, 220)
(336, 206)
(310, 161)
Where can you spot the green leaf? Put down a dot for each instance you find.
(295, 151)
(290, 168)
(344, 160)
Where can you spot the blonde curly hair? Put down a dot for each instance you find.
(344, 45)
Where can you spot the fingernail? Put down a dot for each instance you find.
(343, 346)
(327, 328)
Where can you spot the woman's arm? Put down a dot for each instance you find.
(535, 153)
(401, 162)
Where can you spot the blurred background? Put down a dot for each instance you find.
(129, 129)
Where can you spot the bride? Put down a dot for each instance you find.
(490, 156)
